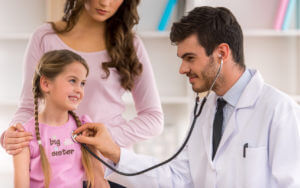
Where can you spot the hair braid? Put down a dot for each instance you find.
(44, 160)
(86, 160)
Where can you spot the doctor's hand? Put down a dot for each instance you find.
(97, 135)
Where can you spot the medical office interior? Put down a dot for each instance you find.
(274, 52)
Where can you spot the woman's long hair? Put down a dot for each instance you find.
(50, 65)
(118, 38)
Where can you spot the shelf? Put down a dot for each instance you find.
(154, 34)
(8, 103)
(14, 36)
(164, 100)
(271, 33)
(247, 33)
(175, 100)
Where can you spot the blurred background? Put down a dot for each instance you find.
(274, 52)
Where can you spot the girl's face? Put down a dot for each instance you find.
(66, 91)
(101, 10)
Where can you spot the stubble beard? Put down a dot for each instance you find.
(208, 75)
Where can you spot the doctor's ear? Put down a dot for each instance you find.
(45, 84)
(223, 51)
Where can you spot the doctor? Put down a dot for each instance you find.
(248, 133)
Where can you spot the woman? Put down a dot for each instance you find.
(101, 32)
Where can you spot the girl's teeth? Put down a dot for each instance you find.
(74, 98)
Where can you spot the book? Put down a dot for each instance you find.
(166, 15)
(298, 14)
(288, 14)
(280, 14)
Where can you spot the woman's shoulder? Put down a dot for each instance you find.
(139, 45)
(137, 40)
(43, 29)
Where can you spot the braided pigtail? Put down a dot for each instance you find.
(86, 160)
(44, 160)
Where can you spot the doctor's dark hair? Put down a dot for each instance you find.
(119, 38)
(213, 26)
(50, 66)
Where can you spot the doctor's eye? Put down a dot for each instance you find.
(189, 58)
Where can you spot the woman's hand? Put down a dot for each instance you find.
(96, 134)
(15, 139)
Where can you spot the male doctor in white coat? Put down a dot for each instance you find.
(248, 133)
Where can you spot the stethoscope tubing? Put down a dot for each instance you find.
(159, 164)
(196, 115)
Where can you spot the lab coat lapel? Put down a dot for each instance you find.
(206, 128)
(247, 99)
(199, 145)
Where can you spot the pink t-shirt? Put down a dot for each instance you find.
(63, 154)
(103, 97)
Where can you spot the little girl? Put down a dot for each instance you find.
(52, 158)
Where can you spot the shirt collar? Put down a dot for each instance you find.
(233, 94)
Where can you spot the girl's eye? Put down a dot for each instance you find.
(82, 84)
(72, 81)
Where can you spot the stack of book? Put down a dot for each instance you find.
(284, 17)
(166, 15)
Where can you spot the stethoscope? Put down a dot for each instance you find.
(196, 115)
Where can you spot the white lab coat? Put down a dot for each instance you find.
(265, 118)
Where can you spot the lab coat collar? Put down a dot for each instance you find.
(250, 93)
(252, 90)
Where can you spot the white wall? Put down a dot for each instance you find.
(16, 17)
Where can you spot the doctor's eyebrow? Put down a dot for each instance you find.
(186, 54)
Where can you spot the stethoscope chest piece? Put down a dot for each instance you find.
(73, 136)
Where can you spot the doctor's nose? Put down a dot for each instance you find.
(184, 68)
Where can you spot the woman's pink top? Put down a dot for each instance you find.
(102, 101)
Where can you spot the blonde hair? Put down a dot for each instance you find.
(50, 65)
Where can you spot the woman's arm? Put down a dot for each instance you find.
(33, 53)
(21, 169)
(149, 119)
